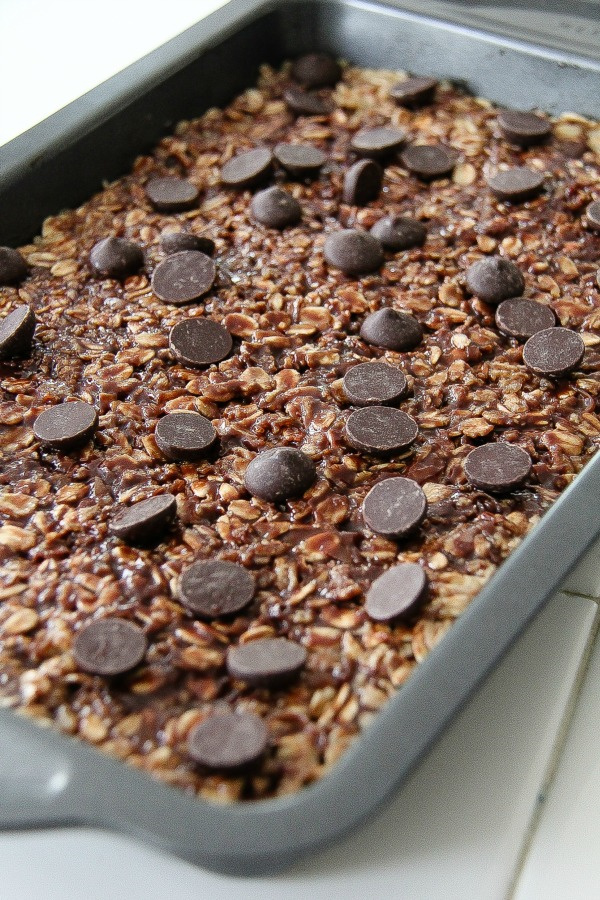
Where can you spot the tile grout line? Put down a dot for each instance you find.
(557, 748)
(569, 593)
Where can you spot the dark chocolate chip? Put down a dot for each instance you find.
(109, 647)
(316, 70)
(592, 214)
(498, 468)
(522, 318)
(362, 182)
(228, 742)
(554, 351)
(183, 277)
(381, 430)
(392, 330)
(66, 425)
(374, 384)
(184, 436)
(171, 194)
(115, 257)
(146, 520)
(176, 241)
(275, 208)
(305, 104)
(247, 169)
(377, 142)
(516, 184)
(266, 661)
(398, 592)
(13, 267)
(200, 342)
(414, 91)
(300, 160)
(394, 507)
(278, 474)
(494, 279)
(354, 252)
(216, 588)
(523, 128)
(429, 161)
(399, 232)
(16, 332)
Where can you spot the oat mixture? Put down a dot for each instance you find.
(295, 321)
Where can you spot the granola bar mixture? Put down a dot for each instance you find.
(295, 319)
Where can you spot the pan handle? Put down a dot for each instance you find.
(34, 780)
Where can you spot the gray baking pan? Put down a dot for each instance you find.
(48, 779)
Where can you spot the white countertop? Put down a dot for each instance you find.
(507, 803)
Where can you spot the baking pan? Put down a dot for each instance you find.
(49, 779)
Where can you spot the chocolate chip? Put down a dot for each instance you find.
(392, 330)
(381, 430)
(305, 104)
(228, 742)
(399, 232)
(115, 257)
(516, 184)
(592, 214)
(279, 474)
(414, 91)
(144, 521)
(300, 160)
(498, 468)
(275, 208)
(554, 351)
(176, 241)
(523, 128)
(184, 436)
(247, 169)
(183, 277)
(66, 425)
(354, 252)
(316, 70)
(362, 182)
(522, 318)
(394, 507)
(429, 161)
(200, 342)
(216, 588)
(266, 661)
(494, 279)
(398, 592)
(16, 332)
(374, 384)
(13, 267)
(377, 142)
(171, 194)
(109, 647)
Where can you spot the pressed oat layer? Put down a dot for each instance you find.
(296, 324)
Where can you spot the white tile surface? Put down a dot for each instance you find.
(54, 52)
(453, 833)
(563, 860)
